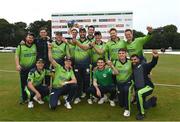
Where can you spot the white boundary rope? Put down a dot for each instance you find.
(8, 71)
(167, 85)
(157, 84)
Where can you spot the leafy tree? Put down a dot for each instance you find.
(176, 43)
(19, 32)
(5, 32)
(35, 26)
(137, 34)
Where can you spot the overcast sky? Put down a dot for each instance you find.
(145, 12)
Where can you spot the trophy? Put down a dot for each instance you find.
(71, 23)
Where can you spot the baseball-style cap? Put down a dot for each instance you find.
(40, 60)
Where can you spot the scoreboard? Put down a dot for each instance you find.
(102, 21)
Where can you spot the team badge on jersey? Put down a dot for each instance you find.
(105, 75)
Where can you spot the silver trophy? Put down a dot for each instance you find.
(71, 23)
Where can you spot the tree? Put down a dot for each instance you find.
(35, 26)
(169, 33)
(5, 32)
(137, 34)
(164, 37)
(19, 32)
(176, 43)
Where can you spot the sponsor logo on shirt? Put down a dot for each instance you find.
(104, 75)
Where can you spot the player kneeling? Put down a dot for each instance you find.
(103, 82)
(35, 88)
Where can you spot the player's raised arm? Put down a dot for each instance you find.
(53, 62)
(115, 71)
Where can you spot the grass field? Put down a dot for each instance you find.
(168, 108)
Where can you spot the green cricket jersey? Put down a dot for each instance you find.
(36, 77)
(71, 50)
(27, 55)
(125, 70)
(61, 75)
(91, 39)
(112, 48)
(95, 55)
(103, 77)
(136, 47)
(81, 56)
(59, 50)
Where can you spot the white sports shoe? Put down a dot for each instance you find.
(102, 100)
(67, 105)
(112, 103)
(30, 104)
(95, 99)
(59, 102)
(90, 101)
(126, 113)
(83, 95)
(106, 98)
(39, 101)
(77, 100)
(65, 97)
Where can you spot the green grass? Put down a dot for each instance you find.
(168, 108)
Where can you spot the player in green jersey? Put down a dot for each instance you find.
(135, 45)
(103, 82)
(97, 43)
(112, 46)
(41, 43)
(92, 53)
(59, 49)
(35, 88)
(64, 82)
(123, 80)
(82, 62)
(74, 33)
(25, 59)
(90, 31)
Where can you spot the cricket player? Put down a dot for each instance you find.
(82, 63)
(103, 82)
(59, 49)
(42, 49)
(35, 88)
(112, 46)
(64, 82)
(143, 84)
(74, 33)
(25, 59)
(98, 43)
(135, 45)
(124, 80)
(90, 31)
